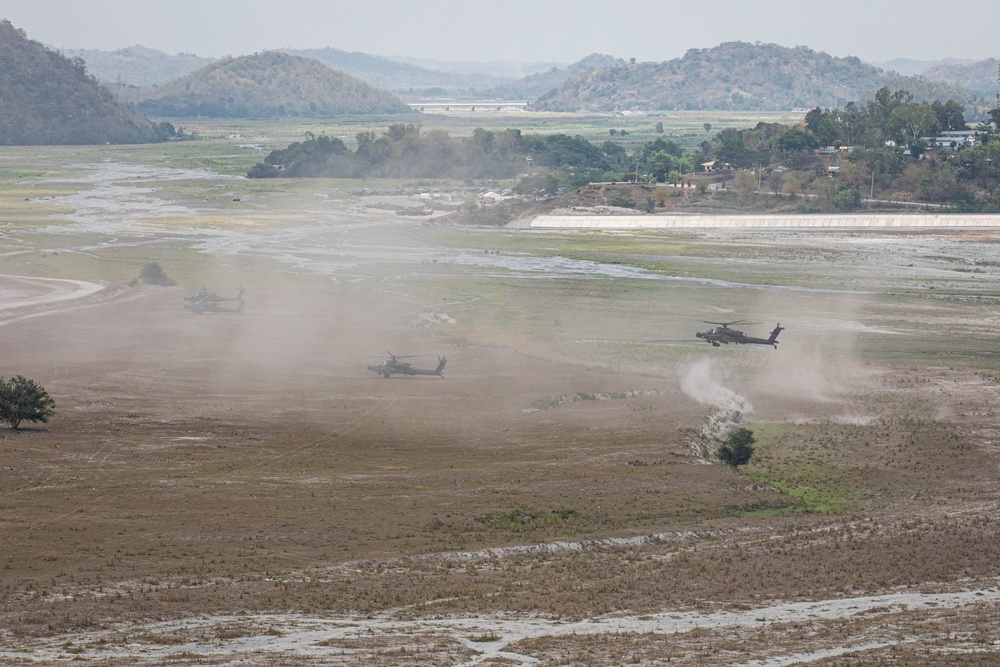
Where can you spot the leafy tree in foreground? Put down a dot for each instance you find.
(737, 449)
(22, 399)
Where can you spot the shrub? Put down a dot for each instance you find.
(153, 274)
(737, 448)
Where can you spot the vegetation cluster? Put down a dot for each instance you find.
(546, 162)
(737, 448)
(153, 274)
(890, 146)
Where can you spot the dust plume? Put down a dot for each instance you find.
(699, 383)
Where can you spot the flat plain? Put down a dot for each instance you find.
(222, 488)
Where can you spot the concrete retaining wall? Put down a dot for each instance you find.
(857, 221)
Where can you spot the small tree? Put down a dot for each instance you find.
(847, 199)
(737, 448)
(22, 399)
(153, 274)
(995, 117)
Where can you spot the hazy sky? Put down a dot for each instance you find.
(516, 30)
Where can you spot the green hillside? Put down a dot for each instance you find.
(738, 76)
(980, 77)
(264, 85)
(46, 98)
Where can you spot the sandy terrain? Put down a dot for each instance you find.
(226, 489)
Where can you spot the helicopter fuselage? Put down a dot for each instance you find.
(393, 366)
(723, 335)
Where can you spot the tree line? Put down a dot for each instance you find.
(885, 135)
(406, 151)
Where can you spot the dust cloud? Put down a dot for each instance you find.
(700, 384)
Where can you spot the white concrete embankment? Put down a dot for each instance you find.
(856, 221)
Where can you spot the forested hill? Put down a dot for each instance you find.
(739, 76)
(980, 77)
(265, 85)
(46, 98)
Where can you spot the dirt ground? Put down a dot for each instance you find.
(223, 489)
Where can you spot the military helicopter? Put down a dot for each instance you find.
(723, 335)
(204, 301)
(393, 366)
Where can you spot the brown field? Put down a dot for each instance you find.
(226, 489)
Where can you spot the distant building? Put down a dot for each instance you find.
(953, 139)
(715, 165)
(833, 150)
(494, 198)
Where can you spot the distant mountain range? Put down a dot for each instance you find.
(740, 76)
(911, 67)
(48, 99)
(400, 77)
(734, 76)
(500, 69)
(137, 65)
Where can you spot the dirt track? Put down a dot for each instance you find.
(223, 488)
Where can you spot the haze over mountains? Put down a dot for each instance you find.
(53, 97)
(137, 65)
(980, 77)
(142, 67)
(733, 75)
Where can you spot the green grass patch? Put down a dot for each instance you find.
(522, 519)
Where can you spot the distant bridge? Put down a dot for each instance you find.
(468, 107)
